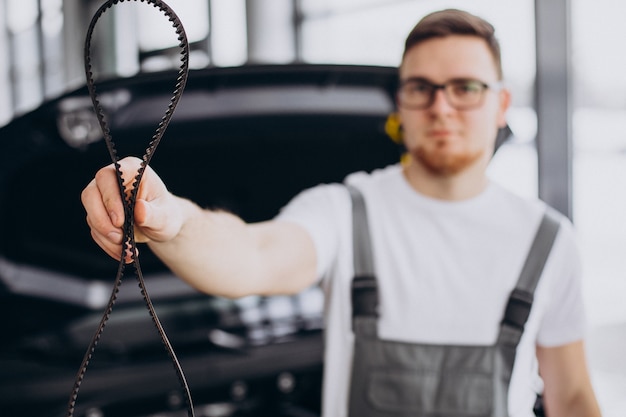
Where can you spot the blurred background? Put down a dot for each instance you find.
(563, 61)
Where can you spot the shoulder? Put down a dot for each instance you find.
(335, 196)
(315, 199)
(519, 208)
(566, 236)
(330, 203)
(323, 212)
(377, 178)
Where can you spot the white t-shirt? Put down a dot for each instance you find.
(444, 269)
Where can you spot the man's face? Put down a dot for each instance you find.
(441, 138)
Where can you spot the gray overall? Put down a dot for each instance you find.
(399, 379)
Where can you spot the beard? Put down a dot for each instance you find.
(443, 162)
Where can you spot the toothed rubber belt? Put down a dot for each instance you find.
(129, 195)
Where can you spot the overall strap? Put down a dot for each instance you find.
(521, 298)
(364, 285)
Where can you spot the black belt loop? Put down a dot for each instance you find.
(518, 309)
(364, 296)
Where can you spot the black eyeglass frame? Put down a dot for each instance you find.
(445, 86)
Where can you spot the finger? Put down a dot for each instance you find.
(108, 189)
(98, 217)
(147, 217)
(129, 168)
(111, 233)
(113, 250)
(142, 221)
(158, 220)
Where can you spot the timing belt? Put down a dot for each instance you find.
(129, 196)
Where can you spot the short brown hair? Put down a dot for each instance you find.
(455, 22)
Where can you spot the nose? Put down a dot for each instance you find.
(440, 102)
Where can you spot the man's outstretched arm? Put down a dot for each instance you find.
(214, 251)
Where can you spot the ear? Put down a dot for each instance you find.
(504, 96)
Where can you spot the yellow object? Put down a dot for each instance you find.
(393, 128)
(405, 159)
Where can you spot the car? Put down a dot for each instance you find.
(245, 139)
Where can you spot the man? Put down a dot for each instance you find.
(448, 244)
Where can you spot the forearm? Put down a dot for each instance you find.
(583, 404)
(218, 253)
(207, 252)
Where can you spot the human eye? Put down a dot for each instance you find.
(467, 87)
(416, 87)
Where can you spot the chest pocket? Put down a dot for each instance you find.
(398, 379)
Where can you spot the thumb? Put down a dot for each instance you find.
(156, 220)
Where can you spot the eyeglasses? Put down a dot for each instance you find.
(462, 94)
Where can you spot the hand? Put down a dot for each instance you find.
(157, 214)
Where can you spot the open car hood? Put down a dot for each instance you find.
(244, 139)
